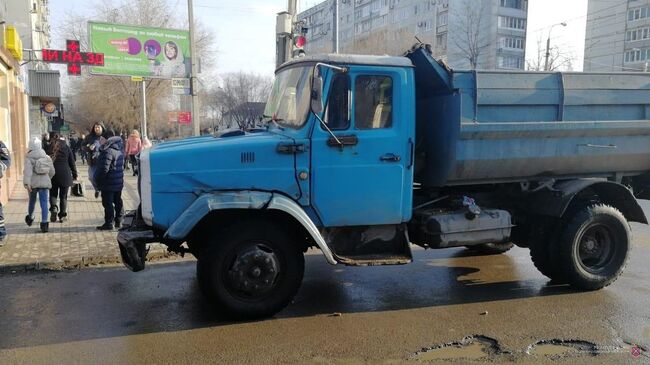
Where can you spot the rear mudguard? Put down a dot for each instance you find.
(247, 199)
(555, 201)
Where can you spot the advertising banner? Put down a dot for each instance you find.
(140, 51)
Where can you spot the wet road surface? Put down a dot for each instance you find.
(496, 308)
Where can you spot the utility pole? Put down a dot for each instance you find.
(144, 109)
(548, 44)
(283, 33)
(196, 120)
(292, 9)
(336, 26)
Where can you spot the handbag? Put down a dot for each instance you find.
(78, 188)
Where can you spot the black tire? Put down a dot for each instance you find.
(593, 247)
(253, 270)
(491, 248)
(541, 242)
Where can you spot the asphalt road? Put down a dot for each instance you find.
(495, 308)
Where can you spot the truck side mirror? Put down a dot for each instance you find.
(317, 92)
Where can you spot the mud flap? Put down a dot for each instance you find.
(132, 240)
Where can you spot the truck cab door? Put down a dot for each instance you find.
(364, 178)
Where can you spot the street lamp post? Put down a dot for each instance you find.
(548, 44)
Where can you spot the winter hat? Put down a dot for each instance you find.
(35, 144)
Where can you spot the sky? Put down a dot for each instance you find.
(245, 30)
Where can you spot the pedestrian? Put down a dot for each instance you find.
(66, 174)
(5, 163)
(82, 152)
(109, 176)
(91, 147)
(74, 147)
(133, 148)
(37, 179)
(45, 138)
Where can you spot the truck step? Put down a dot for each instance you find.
(375, 260)
(370, 245)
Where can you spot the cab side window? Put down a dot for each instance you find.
(337, 115)
(373, 102)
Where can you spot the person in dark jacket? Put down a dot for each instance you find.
(91, 148)
(109, 177)
(5, 163)
(66, 173)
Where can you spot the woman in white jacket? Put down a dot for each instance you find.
(37, 178)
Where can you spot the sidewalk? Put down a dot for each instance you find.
(73, 244)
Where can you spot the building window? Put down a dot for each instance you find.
(442, 18)
(637, 34)
(511, 22)
(638, 13)
(637, 55)
(512, 42)
(441, 41)
(515, 4)
(511, 62)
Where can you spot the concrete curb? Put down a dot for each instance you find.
(60, 264)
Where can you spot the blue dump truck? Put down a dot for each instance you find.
(363, 156)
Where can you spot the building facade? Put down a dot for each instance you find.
(484, 34)
(14, 125)
(618, 36)
(31, 19)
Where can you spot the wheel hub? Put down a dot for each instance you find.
(254, 271)
(595, 247)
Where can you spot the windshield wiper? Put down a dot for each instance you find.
(274, 121)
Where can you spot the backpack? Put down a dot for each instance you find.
(42, 166)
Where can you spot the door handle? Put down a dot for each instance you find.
(347, 140)
(390, 157)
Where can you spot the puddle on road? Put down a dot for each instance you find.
(552, 350)
(556, 348)
(470, 348)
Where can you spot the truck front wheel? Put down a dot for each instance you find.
(253, 270)
(593, 247)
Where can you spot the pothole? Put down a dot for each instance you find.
(561, 348)
(469, 348)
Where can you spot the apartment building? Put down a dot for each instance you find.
(31, 19)
(618, 36)
(484, 34)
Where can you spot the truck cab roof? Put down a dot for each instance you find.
(347, 59)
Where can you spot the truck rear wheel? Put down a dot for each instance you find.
(491, 248)
(253, 270)
(541, 241)
(593, 247)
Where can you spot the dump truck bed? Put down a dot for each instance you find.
(480, 127)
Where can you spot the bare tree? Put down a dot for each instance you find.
(470, 39)
(117, 100)
(558, 59)
(239, 97)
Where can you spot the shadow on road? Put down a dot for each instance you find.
(48, 308)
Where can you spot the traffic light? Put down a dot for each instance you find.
(299, 42)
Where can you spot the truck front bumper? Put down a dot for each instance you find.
(132, 239)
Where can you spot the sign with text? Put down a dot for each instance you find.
(184, 118)
(73, 57)
(140, 51)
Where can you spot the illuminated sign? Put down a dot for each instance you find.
(73, 57)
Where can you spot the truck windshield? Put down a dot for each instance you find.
(288, 103)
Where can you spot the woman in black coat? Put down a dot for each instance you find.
(66, 173)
